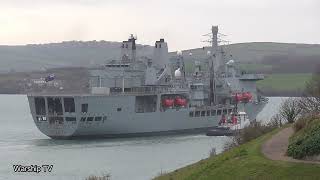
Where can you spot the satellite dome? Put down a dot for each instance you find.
(177, 73)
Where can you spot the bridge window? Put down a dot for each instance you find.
(191, 114)
(84, 108)
(104, 118)
(54, 106)
(219, 112)
(98, 118)
(203, 113)
(71, 119)
(41, 118)
(83, 119)
(213, 112)
(208, 113)
(40, 105)
(197, 114)
(69, 105)
(225, 111)
(89, 118)
(119, 109)
(55, 120)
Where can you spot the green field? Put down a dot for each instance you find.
(285, 82)
(254, 68)
(244, 162)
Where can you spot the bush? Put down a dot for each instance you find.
(306, 142)
(304, 121)
(253, 131)
(276, 121)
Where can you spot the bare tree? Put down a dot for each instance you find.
(290, 109)
(310, 102)
(276, 121)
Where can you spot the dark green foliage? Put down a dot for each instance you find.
(306, 142)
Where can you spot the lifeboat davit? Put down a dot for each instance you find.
(167, 102)
(178, 101)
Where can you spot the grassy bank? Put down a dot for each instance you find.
(244, 162)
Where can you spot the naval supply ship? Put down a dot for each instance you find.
(134, 96)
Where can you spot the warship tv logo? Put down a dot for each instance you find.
(33, 168)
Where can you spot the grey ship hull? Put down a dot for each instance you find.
(118, 118)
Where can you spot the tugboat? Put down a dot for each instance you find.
(228, 126)
(139, 96)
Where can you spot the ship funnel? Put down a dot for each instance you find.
(160, 54)
(128, 49)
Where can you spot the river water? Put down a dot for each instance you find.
(21, 143)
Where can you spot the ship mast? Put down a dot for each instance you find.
(213, 63)
(133, 54)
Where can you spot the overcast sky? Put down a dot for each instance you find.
(181, 22)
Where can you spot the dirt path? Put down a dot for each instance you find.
(276, 147)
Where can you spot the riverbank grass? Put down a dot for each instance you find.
(244, 162)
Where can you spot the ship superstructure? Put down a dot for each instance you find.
(134, 96)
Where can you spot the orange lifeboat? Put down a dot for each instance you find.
(238, 97)
(242, 97)
(247, 96)
(180, 102)
(167, 102)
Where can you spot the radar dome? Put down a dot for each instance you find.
(177, 73)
